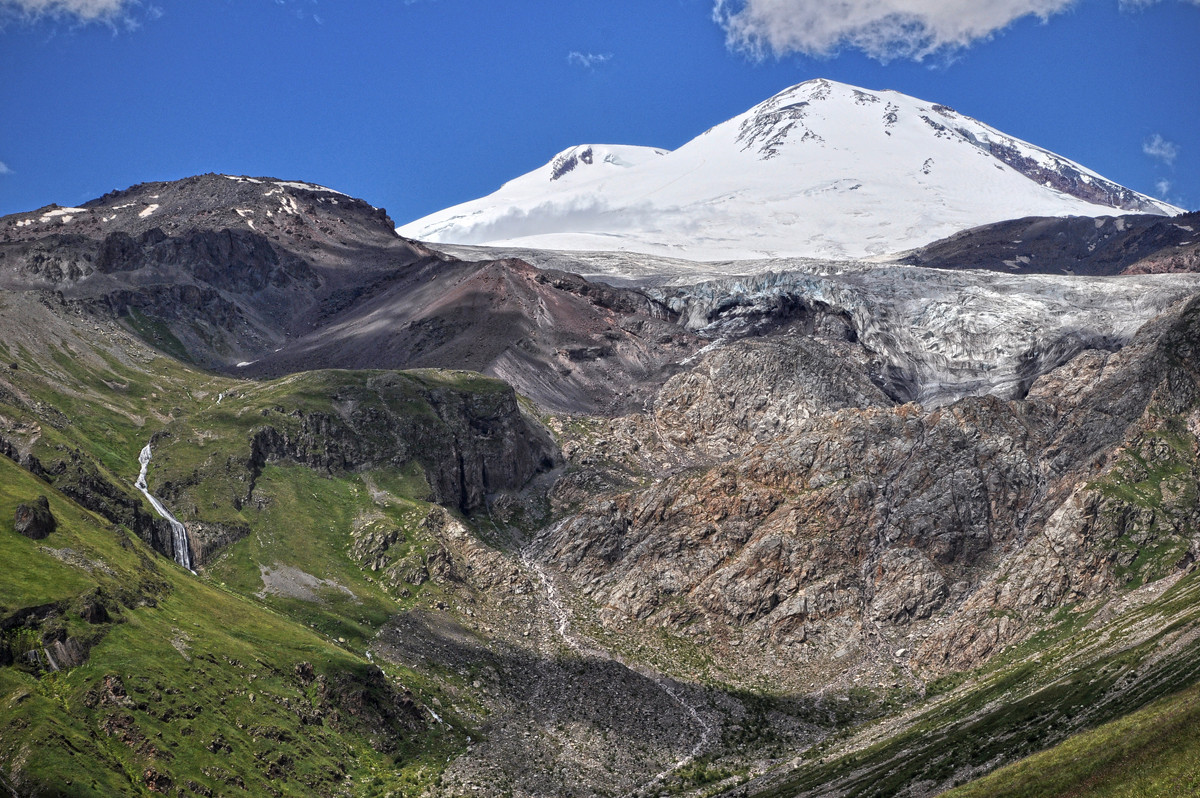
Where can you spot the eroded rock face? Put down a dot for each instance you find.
(477, 441)
(855, 515)
(35, 520)
(807, 515)
(758, 390)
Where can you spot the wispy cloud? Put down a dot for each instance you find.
(83, 10)
(304, 9)
(4, 170)
(588, 60)
(1163, 187)
(883, 29)
(1137, 5)
(1159, 148)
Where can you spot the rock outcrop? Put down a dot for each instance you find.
(35, 520)
(1106, 245)
(83, 482)
(471, 438)
(810, 516)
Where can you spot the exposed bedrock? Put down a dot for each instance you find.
(935, 336)
(475, 442)
(817, 518)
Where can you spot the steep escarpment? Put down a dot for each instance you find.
(457, 439)
(820, 524)
(468, 434)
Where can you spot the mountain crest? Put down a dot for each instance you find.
(821, 169)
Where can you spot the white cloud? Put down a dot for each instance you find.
(85, 10)
(1137, 5)
(588, 60)
(883, 29)
(1158, 147)
(4, 170)
(1163, 187)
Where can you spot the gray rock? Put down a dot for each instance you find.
(35, 520)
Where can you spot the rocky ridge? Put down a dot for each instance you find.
(261, 277)
(833, 527)
(1131, 244)
(805, 498)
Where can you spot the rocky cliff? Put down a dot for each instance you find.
(809, 519)
(468, 435)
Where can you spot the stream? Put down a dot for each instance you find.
(179, 535)
(562, 627)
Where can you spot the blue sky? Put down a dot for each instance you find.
(415, 105)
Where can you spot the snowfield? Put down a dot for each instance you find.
(822, 170)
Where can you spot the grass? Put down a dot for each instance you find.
(31, 575)
(208, 692)
(196, 664)
(207, 680)
(1154, 751)
(158, 334)
(1029, 699)
(322, 510)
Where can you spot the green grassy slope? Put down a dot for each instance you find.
(1150, 753)
(252, 678)
(1031, 697)
(203, 684)
(186, 682)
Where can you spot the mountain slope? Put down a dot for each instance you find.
(263, 277)
(959, 504)
(1134, 244)
(822, 169)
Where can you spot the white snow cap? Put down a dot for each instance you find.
(821, 169)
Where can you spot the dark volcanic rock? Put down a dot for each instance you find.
(1106, 245)
(476, 441)
(262, 277)
(35, 520)
(80, 480)
(568, 344)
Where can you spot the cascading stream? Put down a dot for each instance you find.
(179, 535)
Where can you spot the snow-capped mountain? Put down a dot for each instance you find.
(822, 169)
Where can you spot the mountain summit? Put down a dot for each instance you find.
(822, 169)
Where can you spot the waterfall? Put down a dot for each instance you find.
(179, 535)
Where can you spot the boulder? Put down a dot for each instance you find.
(35, 520)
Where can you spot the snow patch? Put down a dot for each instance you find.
(307, 187)
(148, 210)
(289, 204)
(63, 214)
